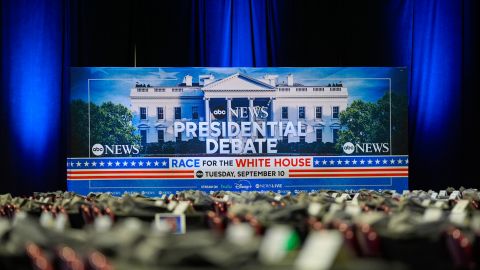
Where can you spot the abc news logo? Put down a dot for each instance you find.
(241, 112)
(219, 113)
(350, 148)
(115, 149)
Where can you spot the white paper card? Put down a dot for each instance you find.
(319, 251)
(458, 218)
(454, 195)
(181, 207)
(475, 222)
(426, 203)
(334, 207)
(460, 207)
(439, 204)
(355, 199)
(353, 210)
(172, 205)
(272, 249)
(314, 209)
(432, 214)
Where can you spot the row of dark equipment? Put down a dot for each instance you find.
(248, 230)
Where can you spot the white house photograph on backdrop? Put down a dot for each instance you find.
(240, 110)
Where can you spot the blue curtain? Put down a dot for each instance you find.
(435, 39)
(436, 89)
(32, 79)
(235, 33)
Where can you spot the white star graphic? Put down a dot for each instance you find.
(117, 163)
(332, 162)
(317, 162)
(339, 162)
(384, 161)
(86, 163)
(94, 164)
(354, 162)
(110, 163)
(347, 161)
(399, 161)
(125, 164)
(72, 164)
(406, 161)
(370, 161)
(377, 161)
(148, 163)
(156, 163)
(362, 161)
(133, 163)
(164, 163)
(392, 161)
(324, 162)
(102, 163)
(79, 164)
(140, 163)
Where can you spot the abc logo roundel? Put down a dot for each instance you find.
(97, 149)
(219, 113)
(348, 148)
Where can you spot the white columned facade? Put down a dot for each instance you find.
(229, 113)
(250, 114)
(272, 106)
(280, 97)
(229, 107)
(272, 111)
(207, 109)
(250, 109)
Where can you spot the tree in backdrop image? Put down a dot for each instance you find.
(110, 124)
(367, 122)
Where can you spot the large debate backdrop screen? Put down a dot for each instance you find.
(161, 130)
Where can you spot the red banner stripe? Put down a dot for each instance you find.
(118, 177)
(348, 170)
(316, 175)
(129, 171)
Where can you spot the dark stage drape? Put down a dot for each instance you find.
(435, 39)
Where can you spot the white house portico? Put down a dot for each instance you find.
(242, 98)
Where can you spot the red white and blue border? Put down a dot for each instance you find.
(155, 176)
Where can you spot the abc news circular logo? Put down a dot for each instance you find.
(219, 113)
(97, 149)
(348, 148)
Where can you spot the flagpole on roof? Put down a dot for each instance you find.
(135, 54)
